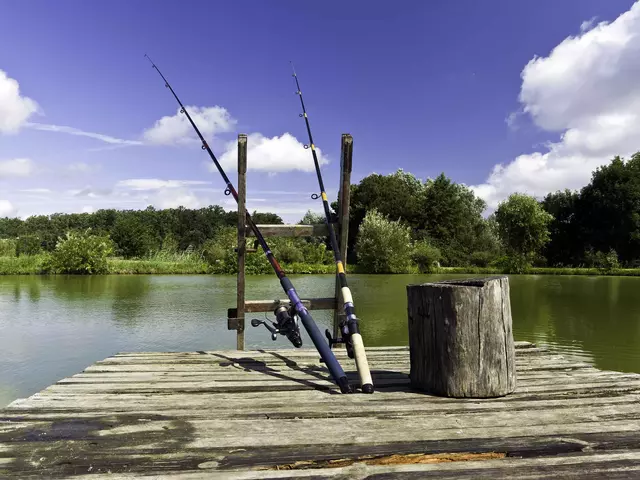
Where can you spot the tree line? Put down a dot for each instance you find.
(397, 223)
(597, 226)
(135, 233)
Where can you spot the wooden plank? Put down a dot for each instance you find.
(521, 346)
(276, 414)
(198, 406)
(319, 230)
(270, 462)
(344, 199)
(285, 383)
(257, 306)
(149, 432)
(240, 279)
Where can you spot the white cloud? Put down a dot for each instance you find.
(587, 88)
(36, 190)
(587, 24)
(87, 209)
(75, 131)
(15, 109)
(275, 154)
(174, 198)
(17, 167)
(82, 167)
(176, 129)
(156, 183)
(6, 209)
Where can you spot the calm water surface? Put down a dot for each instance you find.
(53, 327)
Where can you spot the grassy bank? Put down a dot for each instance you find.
(192, 264)
(34, 265)
(624, 272)
(23, 265)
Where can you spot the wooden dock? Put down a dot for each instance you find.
(274, 414)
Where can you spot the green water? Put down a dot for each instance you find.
(53, 327)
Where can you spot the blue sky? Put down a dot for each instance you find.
(503, 96)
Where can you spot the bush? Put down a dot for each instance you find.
(287, 252)
(7, 247)
(213, 253)
(605, 262)
(169, 243)
(81, 252)
(425, 256)
(28, 245)
(383, 246)
(481, 259)
(133, 238)
(316, 253)
(512, 263)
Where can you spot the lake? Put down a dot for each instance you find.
(53, 327)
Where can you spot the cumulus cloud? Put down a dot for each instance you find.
(275, 154)
(75, 131)
(586, 89)
(6, 209)
(82, 167)
(587, 24)
(163, 193)
(17, 167)
(15, 109)
(176, 129)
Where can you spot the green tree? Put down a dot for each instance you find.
(608, 210)
(425, 256)
(451, 215)
(523, 226)
(7, 247)
(396, 196)
(81, 253)
(311, 218)
(565, 245)
(132, 237)
(383, 246)
(28, 245)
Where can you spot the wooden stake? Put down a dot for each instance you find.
(242, 221)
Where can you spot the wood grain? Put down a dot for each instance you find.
(276, 414)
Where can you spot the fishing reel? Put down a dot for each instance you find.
(286, 324)
(346, 339)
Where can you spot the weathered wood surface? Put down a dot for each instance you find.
(461, 339)
(344, 200)
(242, 247)
(275, 414)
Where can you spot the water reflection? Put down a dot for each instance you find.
(52, 327)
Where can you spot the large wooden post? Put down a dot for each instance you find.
(460, 338)
(242, 222)
(344, 198)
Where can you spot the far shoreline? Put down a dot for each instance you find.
(32, 265)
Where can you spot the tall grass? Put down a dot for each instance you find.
(192, 263)
(23, 265)
(161, 262)
(624, 272)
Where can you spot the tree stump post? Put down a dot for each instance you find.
(460, 338)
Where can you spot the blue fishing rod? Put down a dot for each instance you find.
(286, 325)
(351, 336)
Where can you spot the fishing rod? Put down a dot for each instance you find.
(349, 328)
(286, 323)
